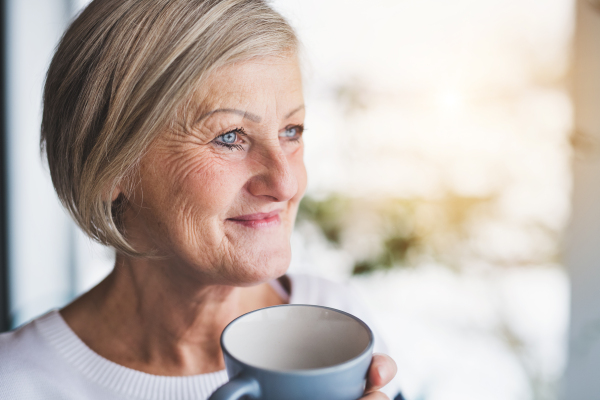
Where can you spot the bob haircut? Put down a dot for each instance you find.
(126, 70)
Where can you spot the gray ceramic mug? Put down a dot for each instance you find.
(296, 352)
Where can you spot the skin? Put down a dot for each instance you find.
(164, 315)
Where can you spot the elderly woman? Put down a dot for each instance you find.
(173, 132)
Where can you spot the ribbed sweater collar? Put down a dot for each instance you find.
(129, 382)
(126, 381)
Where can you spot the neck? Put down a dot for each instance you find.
(143, 316)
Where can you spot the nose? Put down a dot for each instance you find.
(274, 179)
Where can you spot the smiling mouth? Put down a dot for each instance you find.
(258, 220)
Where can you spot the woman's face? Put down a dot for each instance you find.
(219, 201)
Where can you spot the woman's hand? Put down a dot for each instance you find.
(381, 372)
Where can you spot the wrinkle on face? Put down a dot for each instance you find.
(192, 187)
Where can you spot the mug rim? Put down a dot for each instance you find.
(311, 371)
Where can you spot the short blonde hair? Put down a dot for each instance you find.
(122, 71)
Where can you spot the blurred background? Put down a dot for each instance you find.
(454, 181)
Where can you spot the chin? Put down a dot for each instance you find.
(257, 256)
(263, 266)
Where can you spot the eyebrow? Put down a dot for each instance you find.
(294, 111)
(244, 114)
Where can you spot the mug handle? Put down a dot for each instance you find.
(236, 388)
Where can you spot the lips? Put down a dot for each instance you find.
(258, 220)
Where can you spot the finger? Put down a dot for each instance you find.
(375, 396)
(381, 372)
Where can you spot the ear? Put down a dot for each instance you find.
(111, 196)
(115, 194)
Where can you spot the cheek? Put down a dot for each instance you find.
(204, 182)
(194, 192)
(299, 170)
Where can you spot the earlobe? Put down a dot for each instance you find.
(111, 196)
(115, 193)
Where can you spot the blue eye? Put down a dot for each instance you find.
(229, 137)
(292, 132)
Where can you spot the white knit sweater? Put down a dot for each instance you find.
(45, 360)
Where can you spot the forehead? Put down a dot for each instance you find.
(257, 85)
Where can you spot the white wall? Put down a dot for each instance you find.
(49, 259)
(583, 243)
